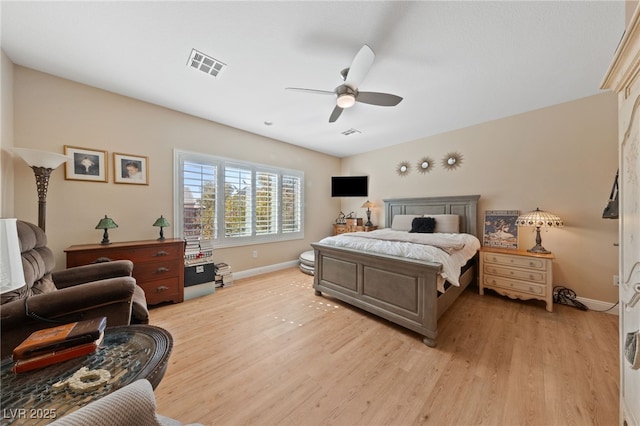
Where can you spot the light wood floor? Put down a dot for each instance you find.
(267, 351)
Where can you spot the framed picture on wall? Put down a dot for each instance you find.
(500, 229)
(88, 164)
(132, 169)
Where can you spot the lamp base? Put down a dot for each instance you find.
(538, 249)
(105, 238)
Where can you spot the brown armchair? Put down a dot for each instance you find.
(50, 298)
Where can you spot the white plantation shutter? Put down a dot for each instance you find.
(266, 203)
(199, 201)
(291, 203)
(236, 203)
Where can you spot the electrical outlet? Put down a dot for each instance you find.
(616, 281)
(254, 254)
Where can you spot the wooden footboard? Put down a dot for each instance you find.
(403, 291)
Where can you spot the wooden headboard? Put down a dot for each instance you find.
(465, 206)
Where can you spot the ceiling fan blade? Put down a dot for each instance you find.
(380, 99)
(335, 114)
(320, 92)
(360, 67)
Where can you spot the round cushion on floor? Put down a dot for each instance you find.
(306, 269)
(308, 258)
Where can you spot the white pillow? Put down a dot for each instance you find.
(402, 222)
(447, 223)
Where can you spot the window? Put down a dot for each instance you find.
(234, 203)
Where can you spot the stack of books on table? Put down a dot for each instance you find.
(224, 277)
(56, 344)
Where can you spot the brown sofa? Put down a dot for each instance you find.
(50, 298)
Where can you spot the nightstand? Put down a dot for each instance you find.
(517, 274)
(343, 228)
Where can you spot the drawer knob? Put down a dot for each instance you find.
(162, 269)
(532, 264)
(162, 253)
(495, 259)
(531, 277)
(162, 288)
(511, 272)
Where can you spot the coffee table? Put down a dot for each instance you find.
(128, 353)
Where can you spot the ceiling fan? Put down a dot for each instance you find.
(347, 94)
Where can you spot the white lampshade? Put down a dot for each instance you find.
(37, 158)
(11, 272)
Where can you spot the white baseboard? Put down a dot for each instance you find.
(598, 305)
(264, 269)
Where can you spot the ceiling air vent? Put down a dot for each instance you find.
(206, 64)
(351, 132)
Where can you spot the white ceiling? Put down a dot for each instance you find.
(455, 63)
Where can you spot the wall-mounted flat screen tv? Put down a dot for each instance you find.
(350, 186)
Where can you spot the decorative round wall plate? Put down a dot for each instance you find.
(425, 165)
(452, 160)
(403, 168)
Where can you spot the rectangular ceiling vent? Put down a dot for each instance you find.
(351, 132)
(206, 64)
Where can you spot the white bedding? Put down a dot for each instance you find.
(395, 243)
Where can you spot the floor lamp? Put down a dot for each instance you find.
(42, 163)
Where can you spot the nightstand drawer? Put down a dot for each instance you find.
(520, 274)
(512, 260)
(529, 288)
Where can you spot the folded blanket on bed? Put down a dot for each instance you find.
(448, 242)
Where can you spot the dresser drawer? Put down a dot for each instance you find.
(539, 277)
(162, 291)
(152, 254)
(151, 271)
(523, 287)
(511, 260)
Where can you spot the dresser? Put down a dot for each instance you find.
(623, 77)
(517, 274)
(158, 264)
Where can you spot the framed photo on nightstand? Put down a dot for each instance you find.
(500, 229)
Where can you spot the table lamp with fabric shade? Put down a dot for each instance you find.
(368, 204)
(539, 219)
(11, 272)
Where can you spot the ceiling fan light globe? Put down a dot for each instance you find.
(346, 100)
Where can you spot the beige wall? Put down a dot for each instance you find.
(6, 136)
(562, 159)
(51, 112)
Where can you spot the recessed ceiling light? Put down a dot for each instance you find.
(268, 122)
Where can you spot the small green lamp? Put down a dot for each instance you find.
(162, 223)
(106, 223)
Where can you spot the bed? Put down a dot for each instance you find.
(397, 288)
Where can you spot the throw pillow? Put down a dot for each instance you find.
(423, 225)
